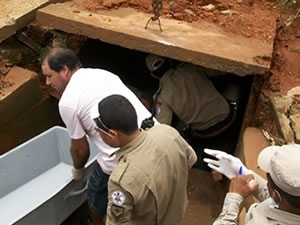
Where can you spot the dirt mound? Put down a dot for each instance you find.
(250, 18)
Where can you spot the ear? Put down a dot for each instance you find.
(113, 133)
(276, 196)
(66, 72)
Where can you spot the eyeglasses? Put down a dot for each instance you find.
(100, 126)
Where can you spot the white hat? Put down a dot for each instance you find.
(153, 62)
(283, 165)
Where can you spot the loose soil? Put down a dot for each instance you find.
(283, 76)
(250, 18)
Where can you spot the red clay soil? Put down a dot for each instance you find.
(284, 73)
(286, 67)
(250, 18)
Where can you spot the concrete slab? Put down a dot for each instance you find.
(22, 93)
(199, 42)
(30, 123)
(286, 112)
(16, 14)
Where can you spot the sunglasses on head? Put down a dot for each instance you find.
(100, 126)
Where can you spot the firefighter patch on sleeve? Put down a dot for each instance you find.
(118, 198)
(117, 211)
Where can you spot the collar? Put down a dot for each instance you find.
(135, 143)
(277, 214)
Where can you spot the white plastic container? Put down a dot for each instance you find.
(36, 184)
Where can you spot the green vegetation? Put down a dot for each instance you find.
(287, 4)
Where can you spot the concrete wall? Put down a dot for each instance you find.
(24, 110)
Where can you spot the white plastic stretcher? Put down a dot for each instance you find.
(36, 184)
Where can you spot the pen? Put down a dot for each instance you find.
(241, 170)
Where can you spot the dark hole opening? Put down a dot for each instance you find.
(130, 66)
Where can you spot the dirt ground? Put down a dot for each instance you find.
(284, 73)
(252, 19)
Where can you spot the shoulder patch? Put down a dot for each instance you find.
(157, 110)
(117, 211)
(118, 198)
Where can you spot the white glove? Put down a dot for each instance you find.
(226, 164)
(78, 174)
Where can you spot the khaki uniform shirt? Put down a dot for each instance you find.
(187, 92)
(148, 186)
(258, 213)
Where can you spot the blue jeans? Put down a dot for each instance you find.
(97, 194)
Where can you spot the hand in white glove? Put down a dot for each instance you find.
(226, 164)
(78, 174)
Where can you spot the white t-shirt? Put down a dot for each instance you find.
(86, 88)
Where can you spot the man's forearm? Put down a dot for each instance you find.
(230, 211)
(80, 152)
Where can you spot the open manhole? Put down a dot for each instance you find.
(130, 66)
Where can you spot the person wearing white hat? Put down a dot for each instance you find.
(187, 92)
(279, 196)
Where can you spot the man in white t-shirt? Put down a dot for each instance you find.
(81, 89)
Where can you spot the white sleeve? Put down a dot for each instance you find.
(72, 122)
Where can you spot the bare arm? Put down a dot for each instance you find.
(80, 152)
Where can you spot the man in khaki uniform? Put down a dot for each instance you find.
(149, 184)
(279, 194)
(187, 92)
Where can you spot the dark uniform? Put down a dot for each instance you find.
(187, 92)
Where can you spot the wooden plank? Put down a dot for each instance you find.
(198, 42)
(16, 14)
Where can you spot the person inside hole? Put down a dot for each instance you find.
(187, 97)
(145, 96)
